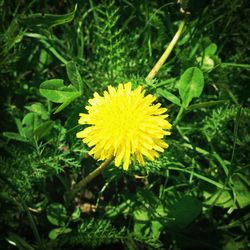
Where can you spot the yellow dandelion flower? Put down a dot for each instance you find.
(124, 123)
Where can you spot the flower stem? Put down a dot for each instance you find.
(166, 54)
(81, 184)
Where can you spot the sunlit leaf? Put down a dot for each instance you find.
(190, 85)
(169, 96)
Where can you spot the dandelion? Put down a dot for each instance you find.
(124, 123)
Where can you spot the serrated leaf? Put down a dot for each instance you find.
(74, 76)
(169, 96)
(190, 85)
(56, 214)
(46, 20)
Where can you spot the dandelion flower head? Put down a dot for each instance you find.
(124, 123)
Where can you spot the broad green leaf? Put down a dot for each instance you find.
(221, 198)
(225, 199)
(67, 102)
(242, 191)
(55, 91)
(30, 123)
(56, 214)
(184, 211)
(169, 96)
(43, 129)
(54, 233)
(211, 49)
(19, 127)
(14, 136)
(46, 20)
(146, 222)
(39, 109)
(74, 76)
(190, 85)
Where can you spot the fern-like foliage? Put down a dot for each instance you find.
(214, 125)
(92, 234)
(109, 42)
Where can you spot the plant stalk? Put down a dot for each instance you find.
(81, 184)
(166, 54)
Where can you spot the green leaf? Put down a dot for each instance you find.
(46, 20)
(43, 129)
(221, 198)
(241, 190)
(141, 215)
(55, 91)
(76, 214)
(30, 123)
(56, 214)
(14, 136)
(184, 211)
(74, 76)
(190, 85)
(142, 223)
(54, 233)
(211, 49)
(39, 109)
(207, 63)
(19, 127)
(67, 102)
(169, 96)
(156, 228)
(146, 222)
